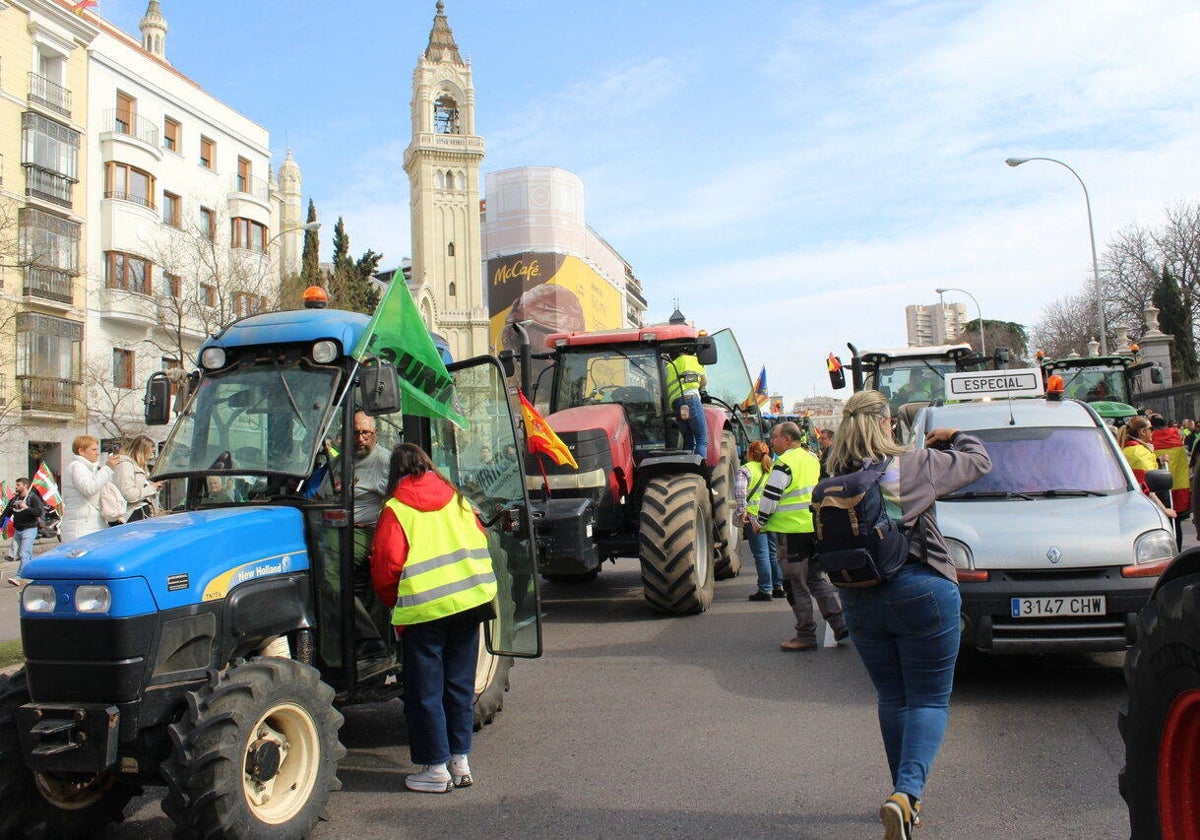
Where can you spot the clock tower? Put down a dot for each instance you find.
(442, 163)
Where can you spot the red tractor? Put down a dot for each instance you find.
(637, 492)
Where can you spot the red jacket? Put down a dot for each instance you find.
(390, 549)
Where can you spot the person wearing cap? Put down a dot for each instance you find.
(685, 378)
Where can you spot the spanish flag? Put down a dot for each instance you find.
(82, 6)
(541, 437)
(834, 363)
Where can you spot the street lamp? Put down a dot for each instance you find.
(262, 257)
(978, 308)
(1014, 162)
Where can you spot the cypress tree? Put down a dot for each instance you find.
(310, 261)
(1175, 320)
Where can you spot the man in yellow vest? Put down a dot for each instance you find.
(430, 562)
(685, 378)
(784, 511)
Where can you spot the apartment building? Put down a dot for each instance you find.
(939, 323)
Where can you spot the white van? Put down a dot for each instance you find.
(1057, 548)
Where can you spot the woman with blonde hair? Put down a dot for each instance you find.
(83, 479)
(747, 492)
(1135, 438)
(132, 478)
(906, 629)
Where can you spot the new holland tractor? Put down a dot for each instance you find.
(1108, 383)
(636, 492)
(208, 650)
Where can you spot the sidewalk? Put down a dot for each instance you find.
(10, 596)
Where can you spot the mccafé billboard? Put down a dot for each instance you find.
(559, 293)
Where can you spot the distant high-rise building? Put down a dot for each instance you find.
(939, 323)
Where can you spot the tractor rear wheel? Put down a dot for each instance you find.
(255, 755)
(50, 806)
(1161, 722)
(728, 532)
(676, 545)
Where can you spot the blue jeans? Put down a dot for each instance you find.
(766, 561)
(695, 428)
(25, 538)
(907, 633)
(439, 687)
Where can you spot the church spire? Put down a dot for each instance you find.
(154, 31)
(441, 39)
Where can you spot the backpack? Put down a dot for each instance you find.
(857, 543)
(112, 503)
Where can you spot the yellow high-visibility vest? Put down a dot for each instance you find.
(448, 569)
(755, 486)
(684, 373)
(793, 515)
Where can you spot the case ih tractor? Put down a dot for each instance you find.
(636, 493)
(208, 650)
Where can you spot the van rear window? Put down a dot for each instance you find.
(1040, 460)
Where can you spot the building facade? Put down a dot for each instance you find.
(443, 164)
(939, 323)
(545, 264)
(149, 217)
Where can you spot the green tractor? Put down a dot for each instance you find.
(1108, 383)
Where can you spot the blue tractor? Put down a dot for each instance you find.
(209, 650)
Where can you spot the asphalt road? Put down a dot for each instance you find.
(638, 726)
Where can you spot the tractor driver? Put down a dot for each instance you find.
(685, 378)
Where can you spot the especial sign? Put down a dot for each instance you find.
(1024, 382)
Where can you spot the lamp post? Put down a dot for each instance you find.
(304, 227)
(1015, 162)
(978, 308)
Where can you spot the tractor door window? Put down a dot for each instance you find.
(485, 462)
(729, 382)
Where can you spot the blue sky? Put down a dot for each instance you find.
(798, 171)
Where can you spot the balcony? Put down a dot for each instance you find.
(130, 307)
(47, 185)
(43, 393)
(50, 284)
(49, 94)
(140, 200)
(130, 139)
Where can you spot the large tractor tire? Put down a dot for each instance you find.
(491, 681)
(255, 755)
(50, 806)
(676, 545)
(1161, 722)
(728, 532)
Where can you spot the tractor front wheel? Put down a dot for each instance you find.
(256, 753)
(675, 535)
(728, 532)
(50, 806)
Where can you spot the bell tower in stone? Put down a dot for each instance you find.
(442, 163)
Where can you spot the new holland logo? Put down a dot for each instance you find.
(1053, 555)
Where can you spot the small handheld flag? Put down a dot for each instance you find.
(43, 482)
(541, 438)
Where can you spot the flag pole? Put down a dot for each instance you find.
(545, 478)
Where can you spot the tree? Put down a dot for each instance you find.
(1066, 326)
(116, 411)
(12, 264)
(310, 261)
(1174, 319)
(999, 334)
(350, 285)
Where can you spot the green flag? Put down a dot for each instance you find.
(397, 334)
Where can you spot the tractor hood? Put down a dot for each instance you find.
(1050, 533)
(184, 558)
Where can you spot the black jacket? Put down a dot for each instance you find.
(27, 518)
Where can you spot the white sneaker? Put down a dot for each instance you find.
(460, 771)
(433, 778)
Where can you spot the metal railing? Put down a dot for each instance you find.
(131, 125)
(144, 200)
(48, 186)
(256, 187)
(49, 283)
(49, 94)
(43, 393)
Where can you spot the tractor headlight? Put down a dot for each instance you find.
(959, 553)
(1154, 545)
(324, 352)
(93, 599)
(213, 358)
(36, 598)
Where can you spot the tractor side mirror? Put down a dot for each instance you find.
(706, 350)
(508, 362)
(157, 402)
(1156, 376)
(379, 389)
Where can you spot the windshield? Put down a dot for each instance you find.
(608, 375)
(923, 380)
(257, 420)
(1044, 460)
(1094, 384)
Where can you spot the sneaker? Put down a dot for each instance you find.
(778, 593)
(14, 581)
(898, 817)
(433, 778)
(759, 595)
(841, 633)
(460, 771)
(796, 644)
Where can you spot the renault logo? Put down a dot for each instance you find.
(1053, 555)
